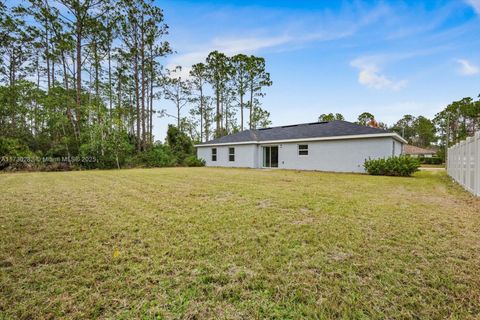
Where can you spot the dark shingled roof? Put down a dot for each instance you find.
(299, 131)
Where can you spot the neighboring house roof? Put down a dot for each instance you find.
(413, 150)
(326, 130)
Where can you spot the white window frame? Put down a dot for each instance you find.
(214, 155)
(231, 154)
(298, 150)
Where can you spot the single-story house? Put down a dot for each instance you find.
(339, 146)
(414, 151)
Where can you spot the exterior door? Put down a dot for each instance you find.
(270, 157)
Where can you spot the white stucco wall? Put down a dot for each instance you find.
(328, 155)
(245, 156)
(335, 155)
(398, 147)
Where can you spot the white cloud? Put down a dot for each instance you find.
(390, 111)
(371, 77)
(246, 45)
(228, 46)
(467, 68)
(233, 46)
(475, 5)
(287, 35)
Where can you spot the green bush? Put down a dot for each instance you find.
(193, 161)
(157, 156)
(432, 160)
(104, 152)
(180, 144)
(15, 155)
(394, 166)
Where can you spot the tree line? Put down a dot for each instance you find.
(457, 121)
(364, 119)
(83, 78)
(219, 90)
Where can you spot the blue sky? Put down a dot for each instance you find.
(387, 58)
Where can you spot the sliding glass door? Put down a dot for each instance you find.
(270, 157)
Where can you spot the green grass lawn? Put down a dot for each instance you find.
(440, 166)
(204, 243)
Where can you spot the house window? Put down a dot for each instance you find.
(231, 154)
(303, 149)
(214, 154)
(393, 149)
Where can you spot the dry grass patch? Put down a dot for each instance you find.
(234, 244)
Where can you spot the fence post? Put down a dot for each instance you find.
(459, 154)
(459, 163)
(447, 163)
(468, 164)
(455, 165)
(454, 161)
(463, 163)
(476, 143)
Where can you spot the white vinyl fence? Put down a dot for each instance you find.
(463, 163)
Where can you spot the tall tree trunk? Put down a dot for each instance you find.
(119, 92)
(142, 53)
(137, 95)
(65, 81)
(152, 78)
(241, 111)
(97, 76)
(147, 109)
(207, 126)
(110, 95)
(78, 61)
(201, 113)
(222, 113)
(74, 72)
(97, 94)
(12, 84)
(251, 107)
(47, 55)
(13, 69)
(217, 93)
(35, 116)
(226, 117)
(53, 73)
(178, 116)
(132, 113)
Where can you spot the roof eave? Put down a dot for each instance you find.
(399, 138)
(344, 137)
